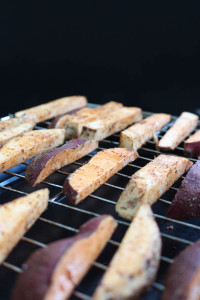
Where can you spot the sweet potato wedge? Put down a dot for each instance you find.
(192, 145)
(112, 123)
(183, 276)
(10, 133)
(17, 216)
(22, 148)
(46, 163)
(73, 124)
(150, 182)
(137, 135)
(183, 126)
(53, 272)
(134, 266)
(59, 121)
(51, 109)
(7, 124)
(186, 203)
(98, 170)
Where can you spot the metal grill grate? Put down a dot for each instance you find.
(63, 219)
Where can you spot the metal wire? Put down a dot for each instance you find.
(58, 198)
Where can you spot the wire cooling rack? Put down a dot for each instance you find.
(62, 219)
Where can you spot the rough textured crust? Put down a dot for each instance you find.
(46, 163)
(183, 126)
(135, 264)
(150, 182)
(112, 123)
(54, 271)
(137, 135)
(14, 131)
(7, 124)
(31, 143)
(73, 124)
(192, 145)
(98, 170)
(17, 216)
(51, 109)
(186, 204)
(59, 122)
(183, 277)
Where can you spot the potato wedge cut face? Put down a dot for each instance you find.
(54, 271)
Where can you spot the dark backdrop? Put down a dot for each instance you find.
(144, 53)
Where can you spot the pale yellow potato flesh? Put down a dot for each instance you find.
(137, 135)
(12, 122)
(51, 109)
(194, 138)
(17, 216)
(111, 123)
(22, 148)
(10, 133)
(134, 266)
(150, 182)
(183, 126)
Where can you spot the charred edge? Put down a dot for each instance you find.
(69, 191)
(38, 163)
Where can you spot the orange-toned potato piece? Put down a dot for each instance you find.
(134, 265)
(137, 135)
(183, 126)
(17, 216)
(150, 182)
(54, 272)
(97, 171)
(111, 123)
(51, 109)
(22, 148)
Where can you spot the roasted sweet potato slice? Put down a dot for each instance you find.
(192, 145)
(59, 122)
(183, 277)
(17, 216)
(186, 204)
(53, 272)
(46, 163)
(111, 123)
(135, 264)
(98, 170)
(183, 126)
(51, 109)
(10, 133)
(150, 182)
(137, 135)
(7, 124)
(31, 143)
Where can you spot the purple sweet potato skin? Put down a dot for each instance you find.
(192, 149)
(33, 283)
(181, 272)
(186, 204)
(38, 163)
(69, 191)
(55, 120)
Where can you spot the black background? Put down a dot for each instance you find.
(144, 53)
